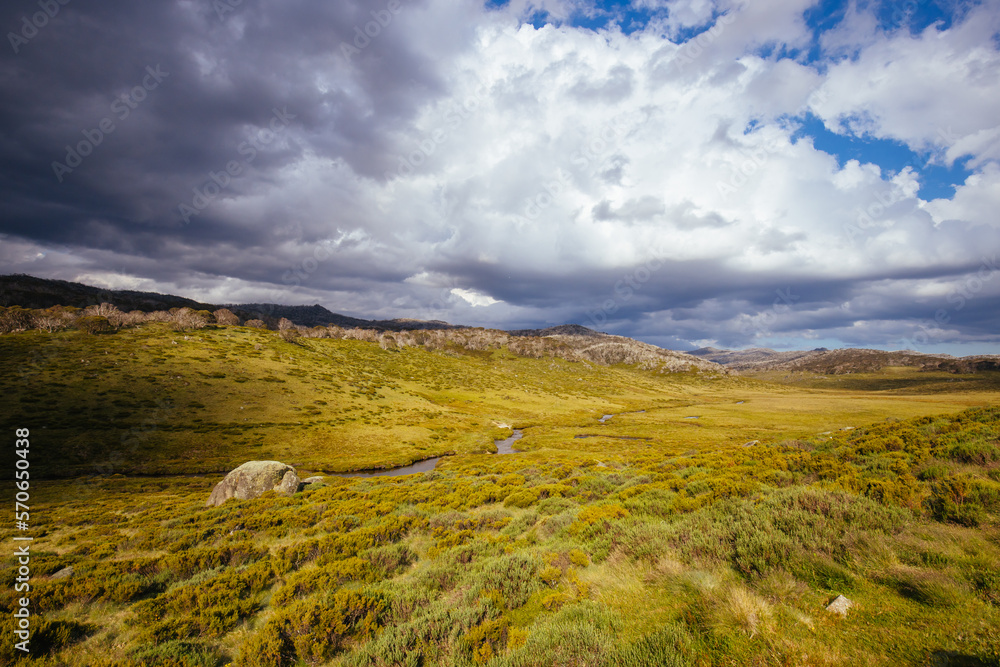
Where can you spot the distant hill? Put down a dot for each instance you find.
(316, 315)
(834, 362)
(31, 292)
(561, 330)
(568, 341)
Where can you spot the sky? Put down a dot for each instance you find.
(732, 173)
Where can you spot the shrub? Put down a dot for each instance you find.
(268, 647)
(555, 505)
(226, 317)
(289, 335)
(975, 453)
(581, 635)
(15, 319)
(668, 646)
(316, 628)
(484, 641)
(514, 576)
(93, 324)
(525, 498)
(54, 635)
(963, 499)
(176, 654)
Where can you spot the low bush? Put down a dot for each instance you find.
(177, 654)
(668, 646)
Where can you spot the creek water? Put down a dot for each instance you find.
(503, 447)
(507, 446)
(420, 466)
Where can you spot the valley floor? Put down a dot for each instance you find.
(709, 521)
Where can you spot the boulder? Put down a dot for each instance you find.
(64, 573)
(840, 605)
(254, 478)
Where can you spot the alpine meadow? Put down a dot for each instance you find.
(649, 514)
(500, 333)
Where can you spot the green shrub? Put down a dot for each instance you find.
(314, 629)
(177, 654)
(268, 647)
(975, 453)
(668, 646)
(525, 498)
(515, 576)
(94, 324)
(963, 499)
(54, 635)
(581, 635)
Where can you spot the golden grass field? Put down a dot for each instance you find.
(659, 539)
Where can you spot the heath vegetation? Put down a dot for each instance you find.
(710, 520)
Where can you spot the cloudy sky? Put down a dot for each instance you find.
(787, 173)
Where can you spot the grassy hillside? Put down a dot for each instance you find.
(709, 521)
(152, 400)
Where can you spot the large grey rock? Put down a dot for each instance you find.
(254, 478)
(840, 605)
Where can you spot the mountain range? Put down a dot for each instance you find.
(574, 340)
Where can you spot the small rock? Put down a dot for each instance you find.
(752, 443)
(64, 573)
(840, 605)
(314, 482)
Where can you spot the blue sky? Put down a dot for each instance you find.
(936, 180)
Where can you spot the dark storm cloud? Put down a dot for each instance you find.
(219, 80)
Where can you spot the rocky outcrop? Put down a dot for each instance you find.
(253, 479)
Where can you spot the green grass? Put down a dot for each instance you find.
(662, 541)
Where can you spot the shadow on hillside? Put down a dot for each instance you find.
(952, 659)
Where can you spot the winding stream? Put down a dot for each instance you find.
(505, 446)
(420, 466)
